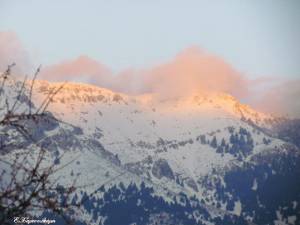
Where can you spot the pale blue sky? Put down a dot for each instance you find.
(259, 38)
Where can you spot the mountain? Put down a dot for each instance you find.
(203, 158)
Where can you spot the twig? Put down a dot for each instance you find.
(31, 87)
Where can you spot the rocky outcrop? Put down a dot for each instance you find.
(141, 167)
(161, 169)
(192, 184)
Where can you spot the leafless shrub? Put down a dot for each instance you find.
(26, 181)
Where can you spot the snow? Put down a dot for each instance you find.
(137, 127)
(237, 208)
(131, 126)
(255, 185)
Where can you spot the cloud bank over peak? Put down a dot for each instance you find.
(282, 99)
(81, 69)
(192, 70)
(12, 50)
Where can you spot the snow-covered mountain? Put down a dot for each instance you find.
(144, 129)
(210, 146)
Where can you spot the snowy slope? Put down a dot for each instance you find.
(188, 144)
(138, 127)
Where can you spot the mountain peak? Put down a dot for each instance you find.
(81, 92)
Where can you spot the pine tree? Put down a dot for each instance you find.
(223, 143)
(214, 142)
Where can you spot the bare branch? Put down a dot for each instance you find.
(28, 185)
(31, 87)
(19, 95)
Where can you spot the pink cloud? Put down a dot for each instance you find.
(282, 99)
(192, 71)
(12, 50)
(82, 69)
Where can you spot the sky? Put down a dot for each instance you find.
(257, 37)
(138, 40)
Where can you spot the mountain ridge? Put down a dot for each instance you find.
(196, 145)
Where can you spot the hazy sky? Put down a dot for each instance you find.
(259, 38)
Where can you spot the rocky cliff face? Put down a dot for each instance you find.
(161, 169)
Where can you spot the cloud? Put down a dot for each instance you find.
(282, 99)
(12, 50)
(190, 71)
(82, 69)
